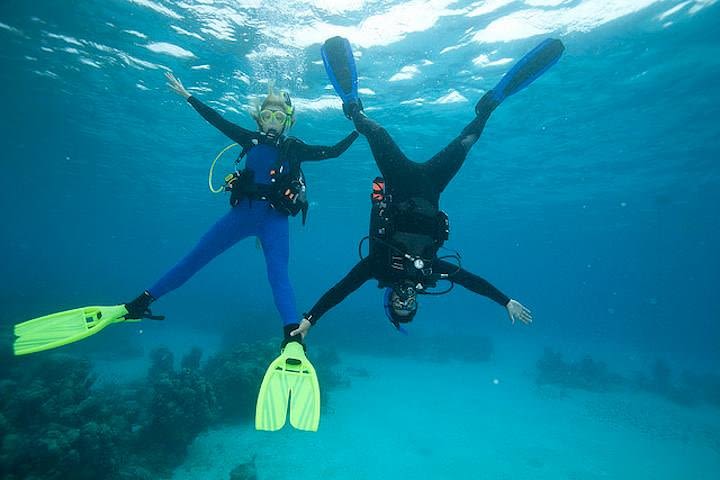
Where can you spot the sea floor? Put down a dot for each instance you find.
(404, 419)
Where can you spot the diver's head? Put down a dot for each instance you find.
(401, 303)
(276, 114)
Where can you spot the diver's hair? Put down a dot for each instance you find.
(274, 97)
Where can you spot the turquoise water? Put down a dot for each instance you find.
(591, 197)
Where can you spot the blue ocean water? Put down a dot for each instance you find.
(591, 198)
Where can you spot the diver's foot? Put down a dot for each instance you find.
(486, 104)
(140, 307)
(352, 109)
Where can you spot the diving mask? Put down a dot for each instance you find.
(404, 299)
(277, 116)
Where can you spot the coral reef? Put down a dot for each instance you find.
(706, 387)
(236, 375)
(182, 404)
(326, 362)
(56, 423)
(688, 389)
(244, 471)
(588, 374)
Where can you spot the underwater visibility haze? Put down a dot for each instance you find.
(591, 197)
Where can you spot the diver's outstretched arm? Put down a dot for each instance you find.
(470, 281)
(234, 132)
(176, 85)
(518, 311)
(307, 152)
(479, 285)
(359, 274)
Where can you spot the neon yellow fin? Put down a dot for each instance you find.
(58, 329)
(290, 379)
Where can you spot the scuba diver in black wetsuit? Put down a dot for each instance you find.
(406, 225)
(407, 228)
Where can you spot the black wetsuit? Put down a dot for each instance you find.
(406, 180)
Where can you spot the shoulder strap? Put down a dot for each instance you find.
(284, 147)
(304, 213)
(254, 141)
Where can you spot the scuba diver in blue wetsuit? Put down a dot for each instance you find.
(263, 195)
(270, 188)
(407, 228)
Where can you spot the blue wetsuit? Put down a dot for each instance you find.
(252, 217)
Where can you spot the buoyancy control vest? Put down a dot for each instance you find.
(408, 231)
(286, 192)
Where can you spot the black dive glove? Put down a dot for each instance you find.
(140, 308)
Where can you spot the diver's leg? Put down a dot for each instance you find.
(275, 239)
(387, 154)
(226, 232)
(446, 163)
(472, 131)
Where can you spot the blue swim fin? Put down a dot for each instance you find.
(526, 70)
(340, 67)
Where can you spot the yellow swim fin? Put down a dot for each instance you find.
(290, 379)
(58, 329)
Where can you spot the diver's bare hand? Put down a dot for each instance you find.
(517, 311)
(177, 86)
(303, 329)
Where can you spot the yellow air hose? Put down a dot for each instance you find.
(212, 168)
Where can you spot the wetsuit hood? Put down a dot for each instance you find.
(404, 295)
